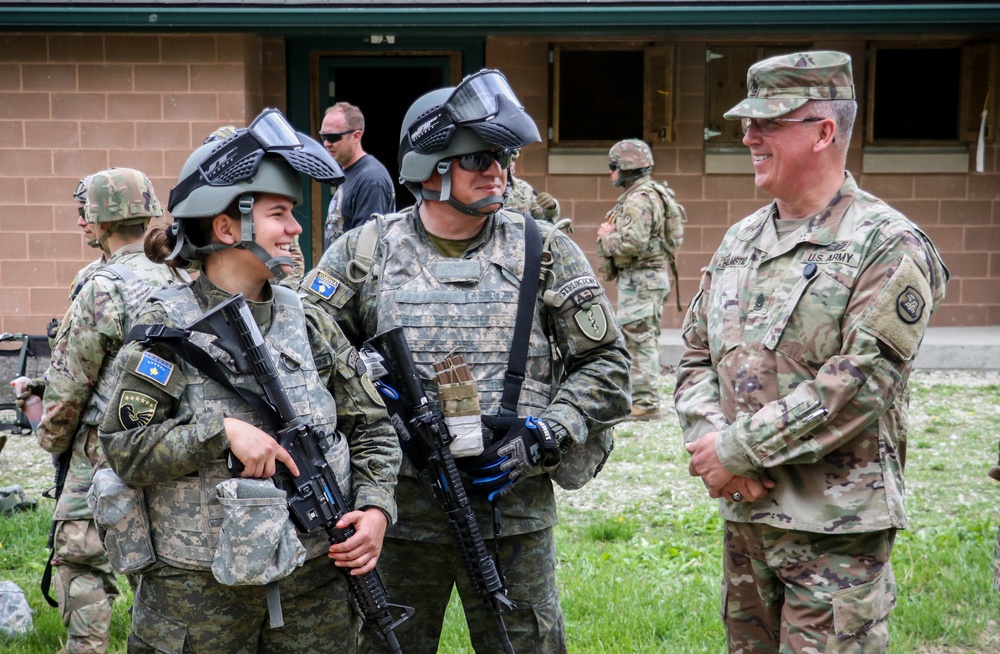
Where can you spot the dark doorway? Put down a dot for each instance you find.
(383, 88)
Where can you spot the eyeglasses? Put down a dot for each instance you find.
(238, 158)
(612, 166)
(476, 99)
(767, 126)
(477, 162)
(333, 137)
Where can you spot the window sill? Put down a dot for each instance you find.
(728, 160)
(915, 160)
(578, 161)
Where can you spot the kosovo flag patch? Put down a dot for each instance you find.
(154, 368)
(324, 286)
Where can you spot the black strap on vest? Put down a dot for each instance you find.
(526, 300)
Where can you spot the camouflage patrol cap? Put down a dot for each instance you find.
(631, 154)
(780, 85)
(121, 194)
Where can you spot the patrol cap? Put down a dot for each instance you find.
(782, 84)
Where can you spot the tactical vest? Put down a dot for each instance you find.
(466, 305)
(184, 513)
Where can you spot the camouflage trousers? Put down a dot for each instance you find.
(641, 294)
(794, 591)
(85, 586)
(183, 611)
(422, 575)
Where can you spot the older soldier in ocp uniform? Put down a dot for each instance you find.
(448, 272)
(792, 389)
(631, 240)
(118, 205)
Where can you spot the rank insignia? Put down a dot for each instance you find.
(135, 409)
(910, 305)
(324, 286)
(154, 368)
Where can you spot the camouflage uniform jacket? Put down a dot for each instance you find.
(165, 431)
(468, 305)
(80, 371)
(798, 353)
(638, 241)
(523, 199)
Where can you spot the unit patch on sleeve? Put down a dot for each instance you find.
(323, 285)
(135, 409)
(154, 368)
(592, 322)
(910, 305)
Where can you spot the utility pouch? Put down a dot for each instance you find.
(257, 543)
(120, 513)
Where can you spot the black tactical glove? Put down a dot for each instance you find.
(528, 443)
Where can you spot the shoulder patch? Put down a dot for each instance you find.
(592, 321)
(135, 409)
(323, 285)
(154, 368)
(910, 305)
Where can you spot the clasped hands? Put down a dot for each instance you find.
(718, 480)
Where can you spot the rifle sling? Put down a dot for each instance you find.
(526, 300)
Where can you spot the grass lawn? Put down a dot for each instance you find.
(639, 548)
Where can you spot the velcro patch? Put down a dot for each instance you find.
(135, 409)
(900, 312)
(324, 286)
(593, 322)
(154, 368)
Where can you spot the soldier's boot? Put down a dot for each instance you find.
(639, 413)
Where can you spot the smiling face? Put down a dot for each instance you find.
(275, 226)
(784, 160)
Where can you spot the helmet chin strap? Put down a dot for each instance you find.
(444, 169)
(274, 264)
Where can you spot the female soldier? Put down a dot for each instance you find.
(172, 425)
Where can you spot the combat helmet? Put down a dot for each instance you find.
(121, 196)
(633, 158)
(80, 195)
(481, 113)
(263, 158)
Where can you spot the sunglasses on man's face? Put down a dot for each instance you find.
(333, 137)
(478, 162)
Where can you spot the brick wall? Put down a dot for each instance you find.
(961, 213)
(73, 104)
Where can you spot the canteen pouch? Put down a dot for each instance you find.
(581, 463)
(120, 513)
(257, 543)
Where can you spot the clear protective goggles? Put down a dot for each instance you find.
(238, 157)
(476, 99)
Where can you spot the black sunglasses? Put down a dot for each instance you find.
(612, 166)
(333, 137)
(477, 162)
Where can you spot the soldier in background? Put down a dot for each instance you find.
(639, 240)
(522, 198)
(119, 204)
(792, 389)
(448, 272)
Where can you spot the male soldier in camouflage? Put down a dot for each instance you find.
(792, 390)
(522, 198)
(119, 203)
(448, 271)
(637, 256)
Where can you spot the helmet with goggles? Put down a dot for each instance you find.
(632, 158)
(80, 194)
(263, 158)
(481, 114)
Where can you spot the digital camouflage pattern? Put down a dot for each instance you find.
(631, 154)
(798, 352)
(15, 612)
(121, 194)
(844, 588)
(167, 436)
(782, 84)
(467, 306)
(637, 258)
(120, 514)
(522, 198)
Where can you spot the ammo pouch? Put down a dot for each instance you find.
(258, 543)
(581, 463)
(120, 513)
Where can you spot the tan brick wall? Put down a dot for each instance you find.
(961, 213)
(72, 104)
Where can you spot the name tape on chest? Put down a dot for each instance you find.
(154, 368)
(834, 253)
(324, 286)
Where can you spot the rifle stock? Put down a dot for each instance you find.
(425, 439)
(314, 498)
